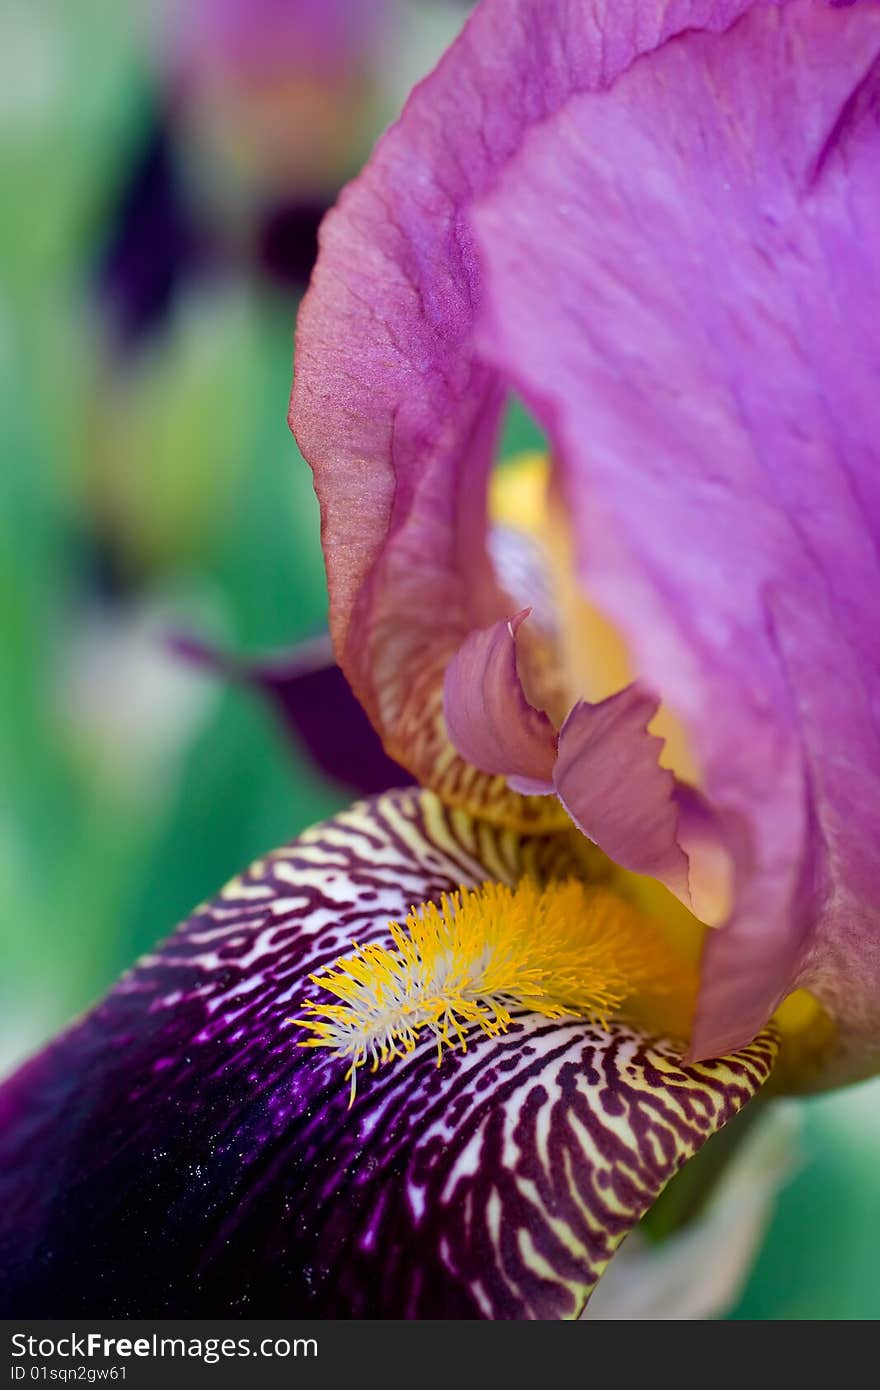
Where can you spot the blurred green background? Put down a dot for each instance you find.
(149, 483)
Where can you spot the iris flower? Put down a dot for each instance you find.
(439, 1055)
(263, 104)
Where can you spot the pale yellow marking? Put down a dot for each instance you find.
(592, 653)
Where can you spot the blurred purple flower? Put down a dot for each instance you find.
(300, 73)
(152, 246)
(255, 39)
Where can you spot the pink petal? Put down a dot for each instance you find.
(677, 266)
(683, 277)
(489, 719)
(711, 857)
(608, 778)
(390, 406)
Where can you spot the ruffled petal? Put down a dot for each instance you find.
(177, 1154)
(489, 719)
(610, 782)
(681, 277)
(674, 259)
(390, 406)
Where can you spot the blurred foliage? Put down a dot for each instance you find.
(165, 491)
(201, 486)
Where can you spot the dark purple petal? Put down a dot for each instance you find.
(316, 704)
(152, 246)
(287, 240)
(177, 1154)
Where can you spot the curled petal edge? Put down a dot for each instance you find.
(488, 717)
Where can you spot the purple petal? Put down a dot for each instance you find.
(697, 322)
(677, 269)
(177, 1154)
(316, 706)
(287, 240)
(489, 719)
(608, 778)
(391, 405)
(152, 246)
(712, 857)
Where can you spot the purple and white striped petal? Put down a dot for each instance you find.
(176, 1154)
